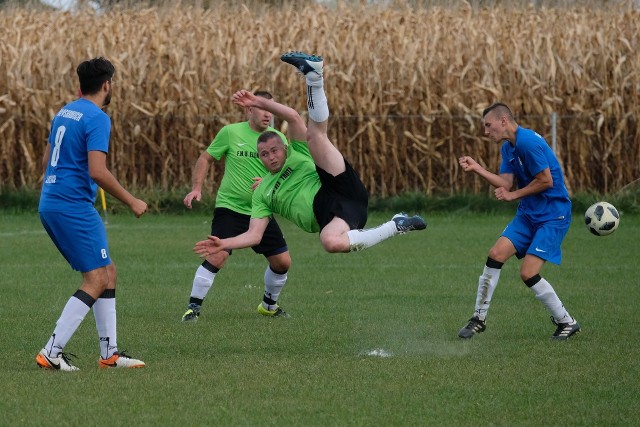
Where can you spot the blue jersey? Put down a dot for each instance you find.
(529, 156)
(78, 128)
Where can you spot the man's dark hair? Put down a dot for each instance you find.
(267, 135)
(93, 73)
(263, 94)
(501, 109)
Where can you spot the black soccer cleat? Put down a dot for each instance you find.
(304, 62)
(406, 223)
(565, 330)
(475, 326)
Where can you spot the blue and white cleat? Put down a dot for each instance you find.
(406, 223)
(304, 62)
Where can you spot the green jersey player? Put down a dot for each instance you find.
(311, 183)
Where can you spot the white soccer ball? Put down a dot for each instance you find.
(602, 218)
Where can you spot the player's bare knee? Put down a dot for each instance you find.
(496, 254)
(281, 262)
(95, 282)
(112, 273)
(334, 244)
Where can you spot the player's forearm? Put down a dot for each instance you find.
(536, 186)
(493, 179)
(244, 240)
(297, 127)
(282, 111)
(199, 173)
(110, 184)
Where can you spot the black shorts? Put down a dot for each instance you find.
(343, 196)
(227, 223)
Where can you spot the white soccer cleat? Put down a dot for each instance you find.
(120, 360)
(60, 362)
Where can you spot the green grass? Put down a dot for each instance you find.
(407, 296)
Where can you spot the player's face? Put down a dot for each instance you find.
(273, 154)
(259, 120)
(494, 127)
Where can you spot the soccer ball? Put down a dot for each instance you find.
(602, 218)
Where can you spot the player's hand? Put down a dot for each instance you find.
(244, 98)
(256, 181)
(189, 198)
(504, 194)
(211, 246)
(139, 207)
(467, 163)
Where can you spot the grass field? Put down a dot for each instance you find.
(406, 299)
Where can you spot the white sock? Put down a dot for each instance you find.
(363, 239)
(316, 98)
(104, 311)
(486, 285)
(202, 282)
(546, 295)
(72, 315)
(273, 284)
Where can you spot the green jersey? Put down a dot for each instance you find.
(238, 144)
(291, 191)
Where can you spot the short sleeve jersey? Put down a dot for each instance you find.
(529, 156)
(291, 191)
(238, 144)
(81, 126)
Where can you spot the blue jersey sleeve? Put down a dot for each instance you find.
(98, 132)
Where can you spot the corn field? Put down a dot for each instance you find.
(406, 86)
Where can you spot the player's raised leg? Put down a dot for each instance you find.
(338, 235)
(324, 153)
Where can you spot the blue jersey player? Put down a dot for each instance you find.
(531, 174)
(75, 165)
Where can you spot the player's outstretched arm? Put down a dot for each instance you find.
(249, 238)
(297, 129)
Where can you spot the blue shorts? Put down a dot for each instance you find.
(540, 239)
(80, 237)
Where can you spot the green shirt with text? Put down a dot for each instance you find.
(291, 191)
(238, 144)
